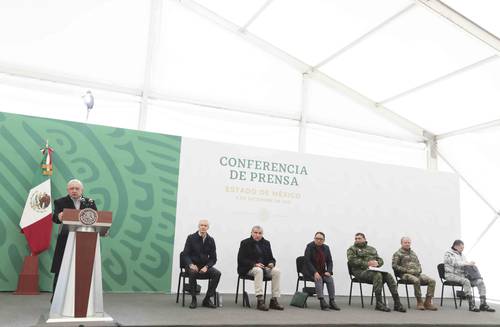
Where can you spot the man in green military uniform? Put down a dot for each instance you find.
(406, 265)
(362, 258)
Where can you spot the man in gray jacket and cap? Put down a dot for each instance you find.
(454, 271)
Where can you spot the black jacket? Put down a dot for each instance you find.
(59, 205)
(198, 252)
(248, 254)
(309, 268)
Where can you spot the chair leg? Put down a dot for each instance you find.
(407, 296)
(350, 293)
(237, 289)
(243, 294)
(462, 291)
(265, 290)
(454, 297)
(371, 300)
(383, 292)
(178, 288)
(183, 290)
(361, 291)
(297, 287)
(442, 291)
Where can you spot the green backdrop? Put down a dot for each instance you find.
(133, 174)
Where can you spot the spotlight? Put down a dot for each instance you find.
(88, 99)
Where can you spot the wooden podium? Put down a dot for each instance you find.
(78, 293)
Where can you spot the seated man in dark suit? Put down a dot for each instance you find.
(318, 266)
(199, 259)
(255, 258)
(74, 200)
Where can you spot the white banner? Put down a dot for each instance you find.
(293, 195)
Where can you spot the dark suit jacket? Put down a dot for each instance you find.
(309, 268)
(248, 255)
(198, 252)
(59, 205)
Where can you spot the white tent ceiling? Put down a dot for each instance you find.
(379, 80)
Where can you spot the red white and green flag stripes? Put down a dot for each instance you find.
(36, 220)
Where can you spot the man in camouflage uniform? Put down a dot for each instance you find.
(407, 266)
(360, 257)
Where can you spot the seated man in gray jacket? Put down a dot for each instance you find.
(454, 265)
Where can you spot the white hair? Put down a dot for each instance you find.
(405, 238)
(75, 181)
(257, 227)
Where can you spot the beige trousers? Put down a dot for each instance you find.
(258, 275)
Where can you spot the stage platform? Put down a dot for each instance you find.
(161, 310)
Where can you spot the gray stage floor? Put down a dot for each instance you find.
(161, 310)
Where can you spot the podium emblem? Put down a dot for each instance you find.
(87, 216)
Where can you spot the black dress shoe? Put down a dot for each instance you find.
(334, 305)
(208, 304)
(194, 303)
(323, 305)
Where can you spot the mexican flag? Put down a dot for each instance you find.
(36, 221)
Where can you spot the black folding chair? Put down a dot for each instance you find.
(405, 282)
(185, 286)
(299, 264)
(445, 282)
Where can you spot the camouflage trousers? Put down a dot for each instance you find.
(467, 284)
(378, 279)
(420, 280)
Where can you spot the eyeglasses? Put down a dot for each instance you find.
(319, 238)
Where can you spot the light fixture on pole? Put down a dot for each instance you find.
(88, 99)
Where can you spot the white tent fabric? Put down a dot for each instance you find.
(377, 80)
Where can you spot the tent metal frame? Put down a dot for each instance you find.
(308, 71)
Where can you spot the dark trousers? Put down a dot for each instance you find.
(212, 274)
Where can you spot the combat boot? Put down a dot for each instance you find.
(261, 305)
(273, 304)
(420, 304)
(323, 304)
(472, 304)
(397, 304)
(428, 304)
(484, 306)
(380, 306)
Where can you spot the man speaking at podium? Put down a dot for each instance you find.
(74, 200)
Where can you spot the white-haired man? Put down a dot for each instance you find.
(407, 266)
(74, 200)
(255, 258)
(199, 258)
